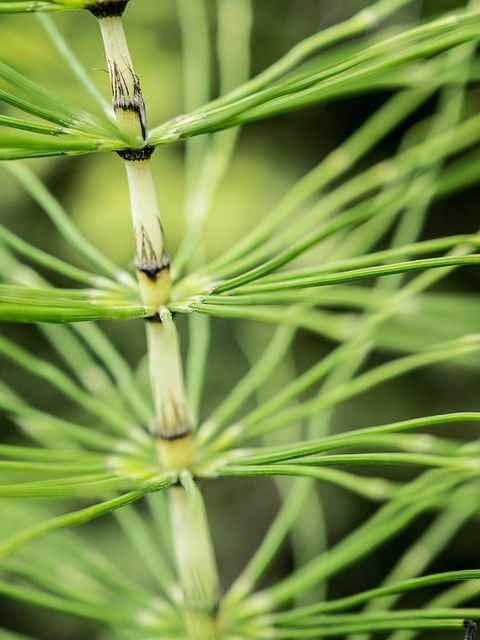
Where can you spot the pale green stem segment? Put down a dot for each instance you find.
(152, 261)
(173, 422)
(126, 92)
(151, 258)
(195, 560)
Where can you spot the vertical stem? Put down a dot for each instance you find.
(173, 421)
(127, 96)
(195, 560)
(152, 261)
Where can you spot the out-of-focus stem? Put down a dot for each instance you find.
(173, 421)
(195, 560)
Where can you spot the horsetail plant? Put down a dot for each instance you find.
(351, 295)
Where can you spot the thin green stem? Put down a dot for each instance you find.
(258, 423)
(270, 546)
(90, 611)
(18, 540)
(53, 209)
(153, 558)
(50, 430)
(411, 501)
(117, 367)
(362, 21)
(66, 385)
(44, 259)
(429, 545)
(197, 361)
(259, 373)
(336, 164)
(400, 587)
(73, 62)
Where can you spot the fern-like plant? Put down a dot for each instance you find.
(306, 327)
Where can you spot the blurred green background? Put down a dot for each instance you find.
(271, 156)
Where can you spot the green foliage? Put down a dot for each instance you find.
(362, 300)
(20, 6)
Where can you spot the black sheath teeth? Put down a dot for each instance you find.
(112, 9)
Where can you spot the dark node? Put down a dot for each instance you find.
(151, 272)
(108, 9)
(470, 628)
(170, 437)
(151, 267)
(136, 155)
(155, 319)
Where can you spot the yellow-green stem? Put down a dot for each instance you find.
(173, 421)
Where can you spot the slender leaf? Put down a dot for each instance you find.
(305, 89)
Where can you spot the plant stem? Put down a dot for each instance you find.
(173, 422)
(195, 560)
(152, 261)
